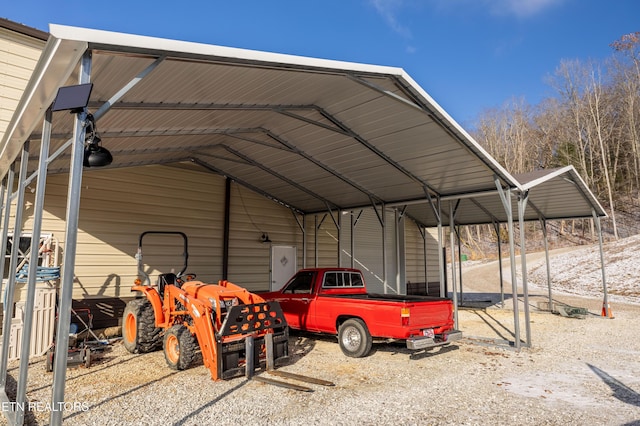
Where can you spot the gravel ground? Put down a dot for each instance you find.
(577, 372)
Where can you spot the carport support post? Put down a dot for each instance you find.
(454, 289)
(522, 205)
(505, 196)
(69, 261)
(339, 226)
(383, 224)
(352, 239)
(605, 302)
(38, 209)
(496, 226)
(315, 240)
(460, 262)
(441, 251)
(304, 240)
(13, 260)
(6, 318)
(543, 224)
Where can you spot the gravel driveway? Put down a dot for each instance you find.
(577, 372)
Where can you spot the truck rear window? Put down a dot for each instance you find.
(339, 279)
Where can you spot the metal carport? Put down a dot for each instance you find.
(314, 135)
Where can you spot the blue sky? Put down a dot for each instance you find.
(469, 55)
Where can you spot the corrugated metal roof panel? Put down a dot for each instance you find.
(313, 134)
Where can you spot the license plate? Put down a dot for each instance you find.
(428, 332)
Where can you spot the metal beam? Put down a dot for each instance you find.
(323, 166)
(454, 289)
(415, 102)
(69, 261)
(487, 212)
(522, 206)
(384, 157)
(505, 196)
(441, 259)
(281, 177)
(124, 90)
(543, 225)
(222, 172)
(605, 303)
(497, 229)
(14, 412)
(38, 209)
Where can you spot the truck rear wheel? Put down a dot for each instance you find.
(139, 331)
(180, 347)
(354, 338)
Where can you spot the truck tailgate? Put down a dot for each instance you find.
(432, 313)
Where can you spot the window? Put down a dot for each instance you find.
(301, 283)
(339, 279)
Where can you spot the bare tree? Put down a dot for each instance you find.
(599, 112)
(627, 75)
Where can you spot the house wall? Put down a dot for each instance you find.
(118, 205)
(19, 54)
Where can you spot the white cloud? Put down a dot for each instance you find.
(518, 8)
(521, 8)
(388, 9)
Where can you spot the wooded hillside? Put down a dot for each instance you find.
(591, 122)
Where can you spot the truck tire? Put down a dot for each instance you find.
(139, 331)
(180, 347)
(354, 338)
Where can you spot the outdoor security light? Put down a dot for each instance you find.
(95, 155)
(264, 238)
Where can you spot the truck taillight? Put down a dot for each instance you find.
(405, 313)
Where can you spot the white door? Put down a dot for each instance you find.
(283, 265)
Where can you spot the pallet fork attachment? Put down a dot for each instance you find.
(270, 368)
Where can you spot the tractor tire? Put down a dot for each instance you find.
(180, 347)
(139, 331)
(354, 338)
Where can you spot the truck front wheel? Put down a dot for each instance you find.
(354, 338)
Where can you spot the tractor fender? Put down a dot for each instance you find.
(154, 298)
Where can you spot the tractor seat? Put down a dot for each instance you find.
(164, 280)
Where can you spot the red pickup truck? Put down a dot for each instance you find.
(335, 301)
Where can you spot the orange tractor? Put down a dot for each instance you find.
(232, 329)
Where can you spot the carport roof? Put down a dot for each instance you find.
(551, 195)
(312, 134)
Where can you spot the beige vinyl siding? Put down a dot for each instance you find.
(251, 216)
(117, 205)
(327, 237)
(18, 56)
(368, 255)
(415, 259)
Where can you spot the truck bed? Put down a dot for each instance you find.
(387, 297)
